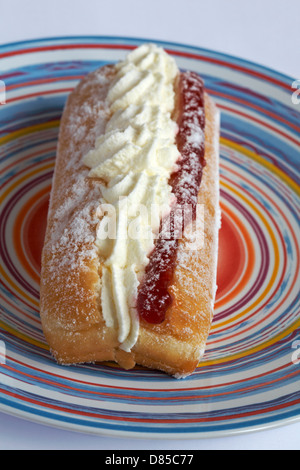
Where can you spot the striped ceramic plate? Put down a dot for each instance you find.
(249, 376)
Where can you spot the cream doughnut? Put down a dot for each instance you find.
(130, 254)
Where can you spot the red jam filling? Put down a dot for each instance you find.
(153, 296)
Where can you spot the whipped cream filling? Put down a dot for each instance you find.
(134, 159)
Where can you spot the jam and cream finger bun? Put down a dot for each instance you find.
(130, 253)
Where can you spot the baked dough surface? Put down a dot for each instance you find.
(70, 305)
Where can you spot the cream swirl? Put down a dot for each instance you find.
(134, 159)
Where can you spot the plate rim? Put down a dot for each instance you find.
(101, 432)
(144, 39)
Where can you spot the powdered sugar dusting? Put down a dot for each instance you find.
(72, 222)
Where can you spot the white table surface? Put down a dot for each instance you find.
(263, 31)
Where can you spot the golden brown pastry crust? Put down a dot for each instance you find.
(71, 269)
